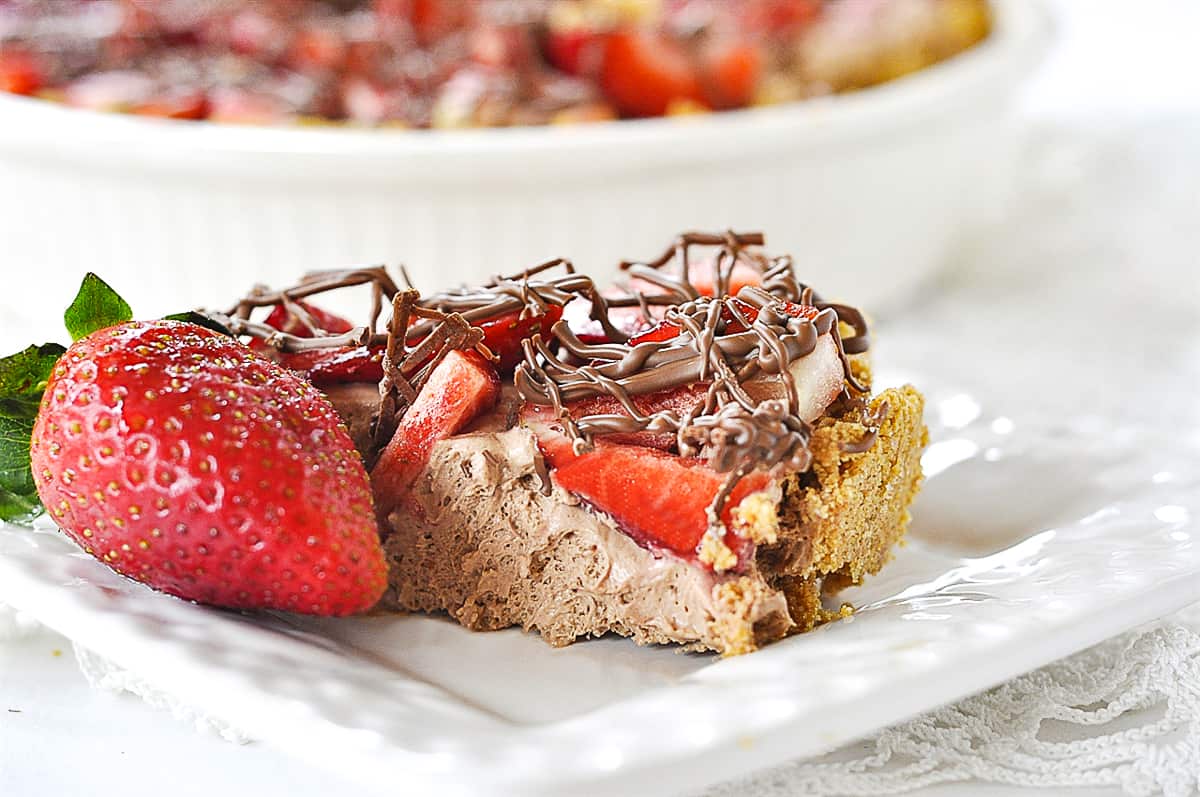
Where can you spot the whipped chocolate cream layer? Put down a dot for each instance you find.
(358, 404)
(481, 540)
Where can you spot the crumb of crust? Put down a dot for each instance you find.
(733, 607)
(715, 553)
(756, 518)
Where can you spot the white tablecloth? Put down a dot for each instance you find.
(1088, 297)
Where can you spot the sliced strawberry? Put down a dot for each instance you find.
(186, 105)
(430, 19)
(662, 331)
(503, 335)
(462, 386)
(702, 278)
(679, 400)
(658, 499)
(322, 366)
(669, 330)
(244, 106)
(798, 310)
(781, 17)
(257, 34)
(818, 376)
(505, 47)
(644, 74)
(283, 320)
(732, 72)
(576, 51)
(626, 319)
(108, 91)
(315, 48)
(364, 56)
(20, 73)
(337, 366)
(368, 102)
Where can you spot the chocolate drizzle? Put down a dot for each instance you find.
(406, 369)
(238, 321)
(719, 347)
(523, 294)
(722, 342)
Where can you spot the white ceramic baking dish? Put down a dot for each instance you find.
(871, 191)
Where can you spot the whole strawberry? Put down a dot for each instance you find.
(188, 462)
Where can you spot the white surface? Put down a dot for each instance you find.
(1104, 255)
(178, 214)
(56, 704)
(1031, 540)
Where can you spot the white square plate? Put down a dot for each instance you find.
(1030, 541)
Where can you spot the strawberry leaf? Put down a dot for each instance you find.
(18, 508)
(22, 380)
(96, 306)
(18, 495)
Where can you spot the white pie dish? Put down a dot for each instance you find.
(1031, 540)
(871, 190)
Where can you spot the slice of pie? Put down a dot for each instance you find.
(691, 457)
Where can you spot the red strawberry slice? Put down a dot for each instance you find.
(626, 319)
(337, 366)
(367, 101)
(781, 17)
(462, 386)
(818, 377)
(504, 47)
(186, 461)
(285, 321)
(658, 499)
(257, 34)
(244, 106)
(323, 366)
(669, 330)
(680, 400)
(576, 51)
(20, 73)
(503, 335)
(742, 276)
(184, 105)
(430, 19)
(732, 71)
(644, 74)
(660, 332)
(117, 90)
(316, 48)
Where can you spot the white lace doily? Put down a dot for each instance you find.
(1125, 713)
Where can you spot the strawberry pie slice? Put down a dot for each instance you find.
(709, 476)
